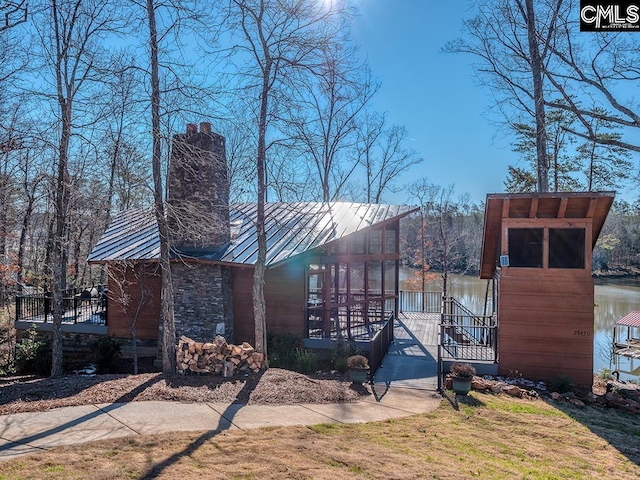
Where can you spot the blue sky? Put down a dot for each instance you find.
(434, 94)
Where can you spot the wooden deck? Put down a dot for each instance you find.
(412, 358)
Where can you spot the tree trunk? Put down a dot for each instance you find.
(4, 200)
(23, 239)
(60, 256)
(259, 310)
(166, 295)
(538, 96)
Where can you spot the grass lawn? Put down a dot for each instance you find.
(486, 437)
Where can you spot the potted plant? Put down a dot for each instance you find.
(461, 376)
(358, 368)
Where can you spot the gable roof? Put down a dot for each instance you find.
(594, 205)
(631, 319)
(291, 228)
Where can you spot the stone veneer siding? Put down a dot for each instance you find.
(202, 301)
(198, 197)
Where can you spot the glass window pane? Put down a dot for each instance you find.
(356, 243)
(566, 247)
(374, 278)
(390, 277)
(356, 280)
(390, 241)
(375, 241)
(525, 247)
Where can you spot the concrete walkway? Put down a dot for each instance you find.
(24, 433)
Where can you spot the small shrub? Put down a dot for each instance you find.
(605, 374)
(340, 352)
(357, 361)
(340, 364)
(306, 361)
(561, 383)
(7, 344)
(106, 354)
(281, 348)
(33, 356)
(462, 370)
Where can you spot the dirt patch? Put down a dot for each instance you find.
(276, 386)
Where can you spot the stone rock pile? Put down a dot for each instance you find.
(619, 395)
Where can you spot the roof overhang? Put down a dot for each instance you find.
(631, 319)
(570, 205)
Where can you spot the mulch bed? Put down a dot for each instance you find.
(275, 386)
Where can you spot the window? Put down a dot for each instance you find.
(374, 278)
(375, 241)
(525, 247)
(390, 277)
(390, 243)
(356, 243)
(566, 247)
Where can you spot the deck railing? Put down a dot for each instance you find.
(427, 302)
(466, 336)
(379, 345)
(77, 308)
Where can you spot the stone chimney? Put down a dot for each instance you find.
(198, 199)
(198, 215)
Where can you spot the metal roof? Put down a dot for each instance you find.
(291, 229)
(132, 235)
(631, 319)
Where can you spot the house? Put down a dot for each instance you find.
(332, 269)
(537, 249)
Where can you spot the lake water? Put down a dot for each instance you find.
(614, 298)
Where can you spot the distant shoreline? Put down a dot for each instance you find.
(618, 273)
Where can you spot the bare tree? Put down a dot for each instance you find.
(588, 72)
(168, 80)
(324, 116)
(381, 151)
(70, 34)
(13, 13)
(239, 145)
(444, 230)
(277, 38)
(166, 294)
(512, 40)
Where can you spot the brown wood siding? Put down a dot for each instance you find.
(119, 322)
(546, 325)
(284, 297)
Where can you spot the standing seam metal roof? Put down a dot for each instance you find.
(291, 229)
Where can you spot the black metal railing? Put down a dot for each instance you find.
(465, 335)
(350, 323)
(419, 301)
(78, 306)
(379, 345)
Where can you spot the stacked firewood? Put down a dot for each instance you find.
(216, 357)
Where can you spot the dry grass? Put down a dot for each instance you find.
(487, 437)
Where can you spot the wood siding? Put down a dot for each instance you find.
(546, 325)
(284, 296)
(118, 321)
